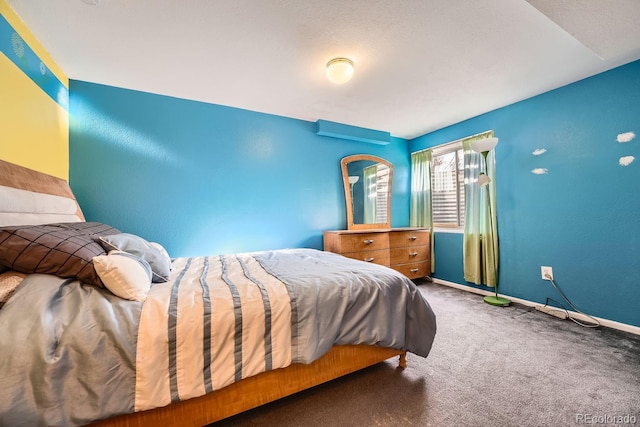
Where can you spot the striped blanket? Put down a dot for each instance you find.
(222, 318)
(228, 317)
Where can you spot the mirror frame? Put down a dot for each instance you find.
(347, 192)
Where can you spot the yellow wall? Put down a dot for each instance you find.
(34, 127)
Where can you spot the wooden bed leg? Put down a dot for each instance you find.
(402, 363)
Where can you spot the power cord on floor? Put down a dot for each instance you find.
(553, 312)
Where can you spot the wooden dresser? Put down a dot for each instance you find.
(406, 250)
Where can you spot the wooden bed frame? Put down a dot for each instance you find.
(257, 390)
(239, 396)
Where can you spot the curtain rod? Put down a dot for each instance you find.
(440, 146)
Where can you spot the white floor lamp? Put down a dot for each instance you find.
(484, 146)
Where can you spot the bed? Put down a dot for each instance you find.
(212, 337)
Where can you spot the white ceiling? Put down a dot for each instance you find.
(419, 64)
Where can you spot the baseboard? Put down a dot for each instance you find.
(579, 316)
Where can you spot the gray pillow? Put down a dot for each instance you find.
(158, 259)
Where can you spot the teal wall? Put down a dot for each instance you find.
(582, 217)
(208, 179)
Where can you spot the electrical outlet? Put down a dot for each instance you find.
(546, 272)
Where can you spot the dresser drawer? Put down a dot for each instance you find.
(355, 242)
(414, 270)
(409, 254)
(399, 239)
(377, 257)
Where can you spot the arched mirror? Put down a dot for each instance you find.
(367, 189)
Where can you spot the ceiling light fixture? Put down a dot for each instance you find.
(339, 70)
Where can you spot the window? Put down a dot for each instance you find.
(446, 167)
(447, 185)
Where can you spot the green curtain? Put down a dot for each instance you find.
(420, 214)
(370, 193)
(480, 248)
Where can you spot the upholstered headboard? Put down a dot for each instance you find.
(31, 197)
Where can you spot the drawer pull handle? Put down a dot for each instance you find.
(415, 270)
(368, 241)
(413, 253)
(368, 259)
(413, 237)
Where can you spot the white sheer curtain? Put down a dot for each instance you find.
(480, 248)
(421, 214)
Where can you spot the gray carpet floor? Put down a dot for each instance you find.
(489, 366)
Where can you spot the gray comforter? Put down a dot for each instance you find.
(68, 351)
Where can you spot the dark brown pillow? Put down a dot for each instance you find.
(64, 249)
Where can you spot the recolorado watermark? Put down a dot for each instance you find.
(607, 419)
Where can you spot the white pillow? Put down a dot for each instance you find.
(126, 275)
